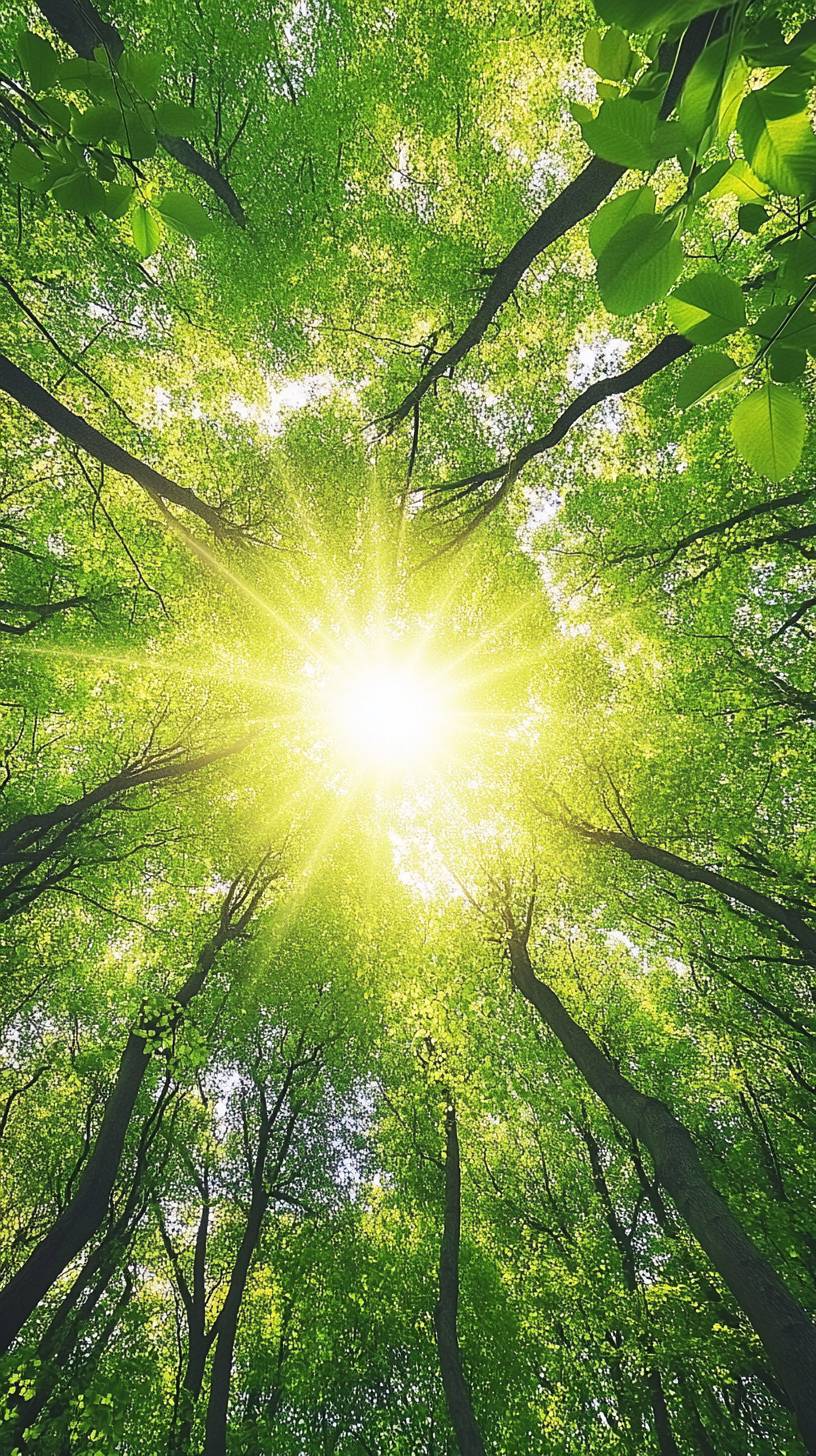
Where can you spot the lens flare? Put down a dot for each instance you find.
(388, 715)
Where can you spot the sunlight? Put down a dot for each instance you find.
(387, 714)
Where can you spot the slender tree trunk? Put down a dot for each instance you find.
(790, 920)
(85, 1210)
(83, 29)
(215, 1438)
(27, 392)
(779, 1320)
(577, 201)
(457, 1394)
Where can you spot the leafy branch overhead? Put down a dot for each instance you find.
(87, 125)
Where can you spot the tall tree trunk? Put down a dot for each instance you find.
(780, 914)
(27, 392)
(577, 201)
(85, 1210)
(457, 1394)
(83, 29)
(779, 1320)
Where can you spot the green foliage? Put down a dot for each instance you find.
(625, 641)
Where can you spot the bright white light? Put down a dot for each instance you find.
(389, 715)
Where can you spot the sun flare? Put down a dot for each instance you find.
(388, 715)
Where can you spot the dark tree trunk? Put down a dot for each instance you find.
(578, 201)
(790, 920)
(457, 1394)
(27, 392)
(779, 1320)
(44, 841)
(85, 1210)
(83, 29)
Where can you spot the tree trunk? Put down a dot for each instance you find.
(85, 1210)
(779, 1320)
(33, 397)
(790, 920)
(83, 29)
(579, 200)
(457, 1394)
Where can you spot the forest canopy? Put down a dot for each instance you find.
(407, 772)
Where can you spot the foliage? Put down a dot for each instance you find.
(373, 286)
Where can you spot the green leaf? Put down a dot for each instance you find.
(82, 75)
(788, 326)
(177, 120)
(649, 15)
(610, 218)
(707, 307)
(733, 90)
(769, 428)
(79, 192)
(580, 112)
(639, 264)
(609, 54)
(707, 180)
(38, 59)
(185, 214)
(118, 198)
(25, 166)
(97, 123)
(623, 132)
(751, 216)
(138, 135)
(738, 180)
(58, 113)
(700, 97)
(142, 71)
(705, 375)
(146, 230)
(787, 363)
(779, 142)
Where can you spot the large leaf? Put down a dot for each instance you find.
(706, 374)
(610, 218)
(623, 132)
(769, 428)
(701, 94)
(609, 54)
(736, 180)
(779, 142)
(25, 166)
(707, 307)
(97, 123)
(79, 192)
(639, 264)
(79, 74)
(185, 214)
(38, 59)
(787, 326)
(118, 198)
(177, 120)
(146, 230)
(142, 71)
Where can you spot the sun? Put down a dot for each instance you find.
(388, 714)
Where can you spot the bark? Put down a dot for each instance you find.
(215, 1434)
(150, 768)
(778, 1319)
(669, 349)
(83, 29)
(666, 1444)
(457, 1393)
(791, 921)
(578, 201)
(85, 1210)
(31, 395)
